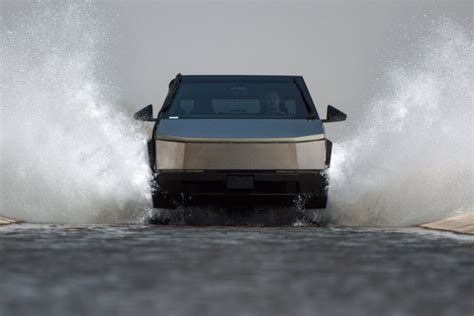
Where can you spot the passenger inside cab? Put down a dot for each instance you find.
(272, 104)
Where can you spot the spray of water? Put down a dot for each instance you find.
(68, 152)
(412, 157)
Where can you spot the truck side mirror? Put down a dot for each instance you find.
(334, 115)
(145, 114)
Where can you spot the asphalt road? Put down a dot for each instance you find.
(176, 270)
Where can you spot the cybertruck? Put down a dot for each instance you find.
(234, 140)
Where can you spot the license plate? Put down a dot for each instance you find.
(240, 182)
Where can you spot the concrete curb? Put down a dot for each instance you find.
(6, 221)
(462, 224)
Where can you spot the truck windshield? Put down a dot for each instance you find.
(238, 100)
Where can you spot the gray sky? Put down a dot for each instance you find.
(340, 47)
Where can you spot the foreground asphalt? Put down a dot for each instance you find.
(176, 270)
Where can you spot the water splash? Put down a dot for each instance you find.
(412, 158)
(69, 152)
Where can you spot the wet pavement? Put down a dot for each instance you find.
(176, 270)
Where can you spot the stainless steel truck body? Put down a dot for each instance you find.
(225, 140)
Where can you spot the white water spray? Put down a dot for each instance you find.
(412, 157)
(68, 152)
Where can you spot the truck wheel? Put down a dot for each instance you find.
(162, 201)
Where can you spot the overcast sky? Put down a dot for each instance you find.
(340, 47)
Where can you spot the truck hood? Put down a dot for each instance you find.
(239, 130)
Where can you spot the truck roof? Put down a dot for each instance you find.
(255, 78)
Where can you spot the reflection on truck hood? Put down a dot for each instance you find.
(252, 130)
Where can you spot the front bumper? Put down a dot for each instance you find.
(252, 188)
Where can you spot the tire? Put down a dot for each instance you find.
(318, 201)
(162, 201)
